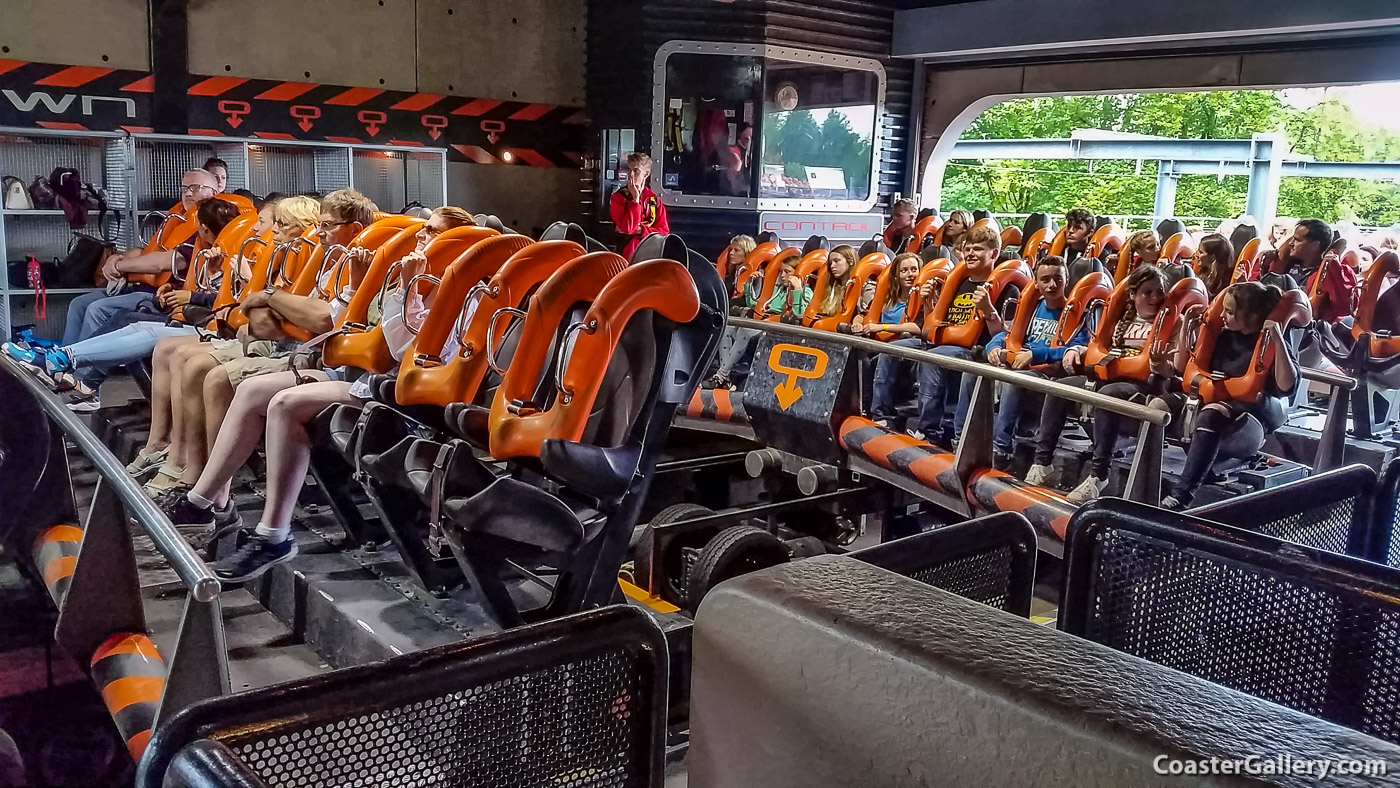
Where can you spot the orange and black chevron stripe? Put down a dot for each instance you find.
(719, 405)
(901, 453)
(131, 675)
(993, 491)
(56, 556)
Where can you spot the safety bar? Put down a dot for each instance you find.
(193, 572)
(165, 218)
(1153, 416)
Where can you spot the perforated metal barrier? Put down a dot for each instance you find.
(575, 702)
(1299, 626)
(1330, 511)
(989, 560)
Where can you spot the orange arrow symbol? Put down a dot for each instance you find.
(788, 392)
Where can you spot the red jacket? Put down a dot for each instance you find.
(637, 220)
(1337, 296)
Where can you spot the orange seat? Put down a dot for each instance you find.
(935, 271)
(1247, 261)
(519, 424)
(1180, 246)
(1375, 315)
(753, 263)
(770, 280)
(330, 274)
(1187, 297)
(427, 379)
(365, 347)
(1011, 236)
(870, 266)
(1109, 238)
(178, 227)
(937, 331)
(1035, 244)
(927, 231)
(1292, 311)
(1084, 301)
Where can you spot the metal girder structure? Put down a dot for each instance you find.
(1261, 159)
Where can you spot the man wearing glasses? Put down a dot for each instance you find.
(88, 312)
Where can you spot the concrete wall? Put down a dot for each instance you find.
(103, 33)
(526, 50)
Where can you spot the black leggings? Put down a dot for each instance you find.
(1107, 426)
(1237, 433)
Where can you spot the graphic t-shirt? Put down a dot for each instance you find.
(1044, 321)
(964, 305)
(1135, 338)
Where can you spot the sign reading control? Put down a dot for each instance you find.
(835, 226)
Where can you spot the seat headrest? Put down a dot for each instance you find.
(491, 221)
(1036, 221)
(816, 242)
(873, 246)
(923, 214)
(1243, 234)
(1102, 221)
(930, 253)
(979, 215)
(768, 236)
(565, 231)
(1169, 227)
(659, 246)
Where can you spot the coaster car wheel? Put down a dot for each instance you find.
(736, 551)
(670, 560)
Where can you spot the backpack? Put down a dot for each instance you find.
(41, 194)
(16, 195)
(76, 198)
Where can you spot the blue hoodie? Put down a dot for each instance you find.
(1041, 332)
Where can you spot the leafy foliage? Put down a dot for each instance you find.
(1328, 131)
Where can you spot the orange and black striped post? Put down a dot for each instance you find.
(131, 675)
(56, 556)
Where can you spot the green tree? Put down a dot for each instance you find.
(1328, 131)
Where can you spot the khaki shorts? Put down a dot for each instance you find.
(244, 367)
(226, 350)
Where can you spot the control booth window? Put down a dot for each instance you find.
(818, 132)
(749, 126)
(710, 107)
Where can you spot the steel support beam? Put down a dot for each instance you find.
(1164, 203)
(1266, 171)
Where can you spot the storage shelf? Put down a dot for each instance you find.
(52, 211)
(54, 291)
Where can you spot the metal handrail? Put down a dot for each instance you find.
(1045, 386)
(193, 572)
(1330, 378)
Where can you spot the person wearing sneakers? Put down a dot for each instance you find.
(276, 410)
(292, 216)
(1037, 349)
(1146, 291)
(980, 248)
(790, 297)
(210, 373)
(83, 366)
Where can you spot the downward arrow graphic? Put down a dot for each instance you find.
(788, 392)
(235, 121)
(305, 124)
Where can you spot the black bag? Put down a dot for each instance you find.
(79, 267)
(41, 194)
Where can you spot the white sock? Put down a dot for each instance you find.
(273, 534)
(199, 500)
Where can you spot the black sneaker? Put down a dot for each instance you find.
(1001, 460)
(254, 558)
(226, 521)
(183, 513)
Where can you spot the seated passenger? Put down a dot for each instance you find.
(278, 406)
(209, 377)
(739, 248)
(1141, 248)
(219, 169)
(892, 317)
(959, 222)
(901, 227)
(89, 313)
(1079, 228)
(1245, 424)
(840, 262)
(980, 248)
(636, 210)
(1037, 348)
(84, 365)
(790, 296)
(1146, 287)
(1214, 263)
